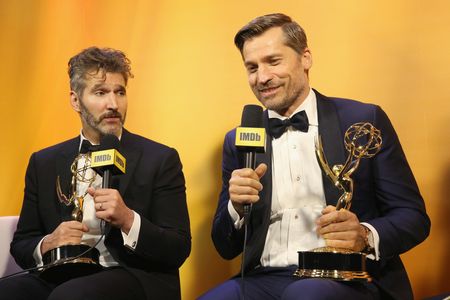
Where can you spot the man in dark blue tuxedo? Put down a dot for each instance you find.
(293, 202)
(147, 230)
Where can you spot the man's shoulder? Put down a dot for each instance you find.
(137, 141)
(345, 103)
(348, 109)
(57, 148)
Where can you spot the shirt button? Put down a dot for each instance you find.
(296, 217)
(298, 178)
(294, 146)
(134, 244)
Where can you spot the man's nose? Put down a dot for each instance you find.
(264, 75)
(112, 101)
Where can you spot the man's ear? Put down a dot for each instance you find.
(307, 59)
(75, 101)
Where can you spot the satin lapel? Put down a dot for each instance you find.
(332, 141)
(64, 161)
(266, 180)
(260, 216)
(131, 153)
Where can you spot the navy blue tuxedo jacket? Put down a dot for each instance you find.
(385, 194)
(153, 186)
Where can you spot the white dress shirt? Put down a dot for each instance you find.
(298, 195)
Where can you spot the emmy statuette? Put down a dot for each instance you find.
(70, 261)
(362, 140)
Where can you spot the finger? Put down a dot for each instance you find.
(103, 192)
(243, 190)
(246, 173)
(341, 235)
(60, 243)
(91, 191)
(71, 226)
(99, 206)
(68, 234)
(344, 215)
(102, 206)
(335, 216)
(103, 215)
(345, 244)
(326, 219)
(328, 209)
(71, 241)
(261, 170)
(74, 225)
(85, 228)
(345, 226)
(109, 197)
(333, 227)
(102, 198)
(247, 182)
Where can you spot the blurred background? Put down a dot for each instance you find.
(190, 87)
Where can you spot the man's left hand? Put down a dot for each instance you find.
(110, 207)
(341, 229)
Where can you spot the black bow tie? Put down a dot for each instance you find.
(86, 147)
(299, 121)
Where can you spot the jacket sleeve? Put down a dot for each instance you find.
(402, 222)
(164, 237)
(29, 229)
(227, 240)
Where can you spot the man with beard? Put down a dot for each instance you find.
(147, 230)
(293, 202)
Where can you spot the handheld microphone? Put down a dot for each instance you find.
(250, 139)
(108, 161)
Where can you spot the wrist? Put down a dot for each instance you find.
(46, 245)
(368, 241)
(126, 227)
(239, 208)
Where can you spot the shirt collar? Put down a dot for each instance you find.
(82, 138)
(309, 105)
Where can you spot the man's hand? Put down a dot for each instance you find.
(244, 187)
(67, 233)
(341, 229)
(110, 207)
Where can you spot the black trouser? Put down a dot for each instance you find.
(112, 283)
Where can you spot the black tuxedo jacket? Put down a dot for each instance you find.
(385, 195)
(153, 186)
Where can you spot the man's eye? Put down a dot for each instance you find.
(275, 62)
(252, 69)
(99, 93)
(121, 93)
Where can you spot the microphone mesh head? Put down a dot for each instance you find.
(252, 116)
(109, 141)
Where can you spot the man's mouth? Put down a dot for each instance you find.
(268, 91)
(112, 117)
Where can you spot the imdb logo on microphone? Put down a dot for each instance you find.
(250, 137)
(109, 157)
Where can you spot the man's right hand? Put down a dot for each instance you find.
(67, 233)
(244, 186)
